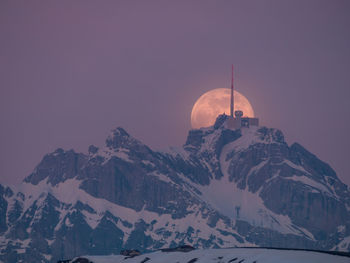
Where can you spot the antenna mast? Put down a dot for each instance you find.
(231, 106)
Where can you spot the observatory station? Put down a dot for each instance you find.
(236, 119)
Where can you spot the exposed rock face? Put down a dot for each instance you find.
(57, 167)
(223, 188)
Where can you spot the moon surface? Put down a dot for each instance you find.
(215, 102)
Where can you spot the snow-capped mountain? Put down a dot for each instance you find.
(223, 188)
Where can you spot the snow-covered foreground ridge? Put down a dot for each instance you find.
(223, 188)
(232, 255)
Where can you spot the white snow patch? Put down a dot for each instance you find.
(23, 244)
(248, 138)
(209, 141)
(32, 192)
(225, 255)
(341, 229)
(20, 250)
(307, 233)
(344, 245)
(121, 153)
(257, 167)
(347, 207)
(242, 204)
(67, 222)
(174, 151)
(277, 174)
(295, 166)
(311, 183)
(50, 241)
(92, 219)
(161, 177)
(62, 212)
(147, 163)
(47, 257)
(68, 193)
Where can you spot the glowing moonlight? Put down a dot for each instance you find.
(215, 102)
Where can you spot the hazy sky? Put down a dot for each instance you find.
(70, 71)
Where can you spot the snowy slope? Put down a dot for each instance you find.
(230, 255)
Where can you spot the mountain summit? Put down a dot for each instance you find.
(223, 188)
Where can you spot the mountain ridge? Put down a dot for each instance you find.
(224, 187)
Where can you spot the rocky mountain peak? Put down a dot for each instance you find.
(302, 156)
(57, 167)
(215, 137)
(119, 138)
(209, 137)
(220, 121)
(92, 149)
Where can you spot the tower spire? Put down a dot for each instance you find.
(231, 106)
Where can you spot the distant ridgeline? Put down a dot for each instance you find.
(227, 186)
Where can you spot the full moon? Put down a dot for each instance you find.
(215, 102)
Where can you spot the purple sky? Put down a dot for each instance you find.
(70, 71)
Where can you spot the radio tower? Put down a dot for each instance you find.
(231, 106)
